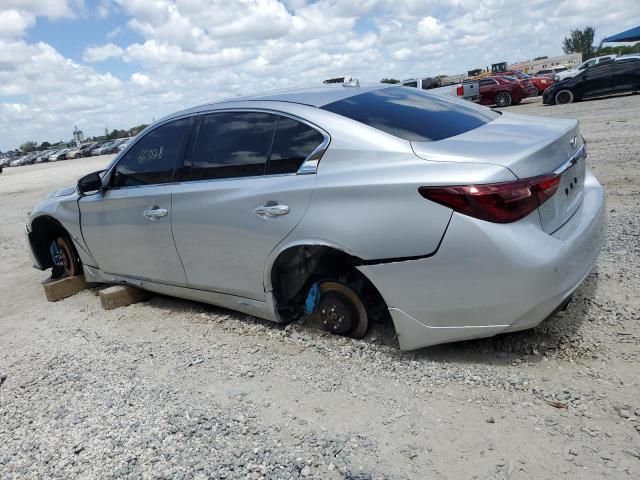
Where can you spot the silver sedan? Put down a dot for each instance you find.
(350, 204)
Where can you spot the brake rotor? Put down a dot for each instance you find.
(336, 313)
(66, 259)
(341, 311)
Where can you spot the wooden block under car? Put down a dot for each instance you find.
(121, 296)
(65, 287)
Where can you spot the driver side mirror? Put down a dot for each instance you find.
(91, 183)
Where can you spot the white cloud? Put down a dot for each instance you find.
(195, 51)
(102, 52)
(430, 28)
(14, 23)
(47, 8)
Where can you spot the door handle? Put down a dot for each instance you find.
(155, 213)
(271, 211)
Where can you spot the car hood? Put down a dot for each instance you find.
(528, 146)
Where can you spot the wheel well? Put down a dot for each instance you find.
(297, 268)
(45, 230)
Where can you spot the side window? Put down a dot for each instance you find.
(600, 70)
(488, 82)
(293, 143)
(627, 63)
(152, 159)
(232, 144)
(588, 64)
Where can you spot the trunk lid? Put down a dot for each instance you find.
(528, 147)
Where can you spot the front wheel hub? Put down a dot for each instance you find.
(336, 313)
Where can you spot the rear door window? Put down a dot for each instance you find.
(293, 142)
(413, 115)
(232, 144)
(154, 157)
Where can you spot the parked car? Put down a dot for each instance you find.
(24, 160)
(79, 151)
(100, 150)
(468, 90)
(539, 82)
(43, 156)
(619, 75)
(287, 205)
(125, 144)
(527, 86)
(59, 155)
(113, 148)
(583, 66)
(89, 151)
(552, 71)
(500, 91)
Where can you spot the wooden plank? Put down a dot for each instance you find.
(121, 296)
(65, 287)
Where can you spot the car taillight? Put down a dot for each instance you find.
(460, 91)
(503, 202)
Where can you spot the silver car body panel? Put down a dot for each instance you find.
(216, 245)
(508, 277)
(115, 219)
(62, 206)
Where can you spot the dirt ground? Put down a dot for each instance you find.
(175, 389)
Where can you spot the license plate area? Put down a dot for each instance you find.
(558, 209)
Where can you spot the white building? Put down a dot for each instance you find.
(78, 136)
(534, 66)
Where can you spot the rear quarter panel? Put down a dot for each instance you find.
(366, 202)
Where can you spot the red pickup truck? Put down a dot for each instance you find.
(540, 82)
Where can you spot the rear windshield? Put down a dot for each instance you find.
(412, 114)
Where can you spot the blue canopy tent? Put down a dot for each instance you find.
(631, 35)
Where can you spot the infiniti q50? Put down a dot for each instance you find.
(348, 203)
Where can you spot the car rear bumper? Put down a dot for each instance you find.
(490, 278)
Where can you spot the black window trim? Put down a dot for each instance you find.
(308, 167)
(109, 177)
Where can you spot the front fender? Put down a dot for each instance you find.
(66, 212)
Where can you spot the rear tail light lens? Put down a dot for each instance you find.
(460, 91)
(503, 202)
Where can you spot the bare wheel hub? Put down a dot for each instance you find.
(336, 313)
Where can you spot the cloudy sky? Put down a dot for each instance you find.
(119, 63)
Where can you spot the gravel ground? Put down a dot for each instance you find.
(175, 389)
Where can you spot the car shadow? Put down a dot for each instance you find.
(553, 337)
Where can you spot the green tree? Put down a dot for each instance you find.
(580, 41)
(620, 50)
(136, 130)
(27, 147)
(392, 81)
(45, 145)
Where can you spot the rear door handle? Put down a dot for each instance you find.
(271, 211)
(155, 213)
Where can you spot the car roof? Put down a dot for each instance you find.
(312, 96)
(308, 96)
